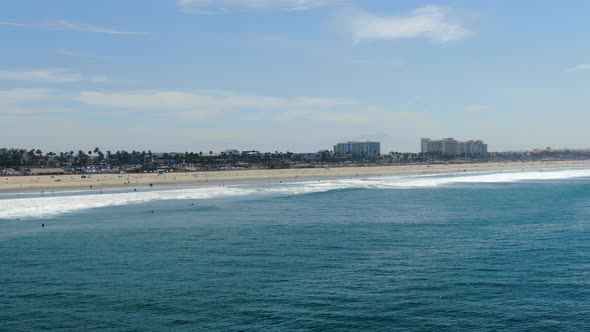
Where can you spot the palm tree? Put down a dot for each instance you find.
(50, 155)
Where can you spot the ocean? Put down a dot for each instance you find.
(491, 251)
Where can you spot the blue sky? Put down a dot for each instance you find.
(295, 75)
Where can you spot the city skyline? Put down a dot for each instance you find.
(292, 75)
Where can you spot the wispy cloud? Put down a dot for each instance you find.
(64, 25)
(259, 118)
(69, 53)
(225, 6)
(14, 25)
(208, 105)
(24, 96)
(366, 116)
(28, 101)
(435, 23)
(578, 68)
(55, 75)
(70, 26)
(180, 101)
(376, 60)
(477, 108)
(50, 75)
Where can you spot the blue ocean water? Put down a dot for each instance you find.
(441, 254)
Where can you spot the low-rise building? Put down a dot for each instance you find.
(47, 171)
(315, 156)
(232, 152)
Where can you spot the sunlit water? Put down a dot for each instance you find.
(496, 251)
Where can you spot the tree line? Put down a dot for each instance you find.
(28, 158)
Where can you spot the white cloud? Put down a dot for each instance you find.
(223, 6)
(477, 108)
(70, 26)
(54, 75)
(175, 100)
(578, 68)
(431, 22)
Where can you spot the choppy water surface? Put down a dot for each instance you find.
(497, 251)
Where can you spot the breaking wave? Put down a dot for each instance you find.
(38, 207)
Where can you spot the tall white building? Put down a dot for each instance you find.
(355, 149)
(453, 147)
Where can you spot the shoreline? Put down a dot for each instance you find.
(93, 182)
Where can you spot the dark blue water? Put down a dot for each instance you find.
(483, 257)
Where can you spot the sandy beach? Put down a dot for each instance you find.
(140, 180)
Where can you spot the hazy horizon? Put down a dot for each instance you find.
(292, 75)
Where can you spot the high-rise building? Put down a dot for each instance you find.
(453, 147)
(358, 149)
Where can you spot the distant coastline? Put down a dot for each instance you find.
(97, 182)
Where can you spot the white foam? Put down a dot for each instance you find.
(37, 207)
(488, 177)
(53, 205)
